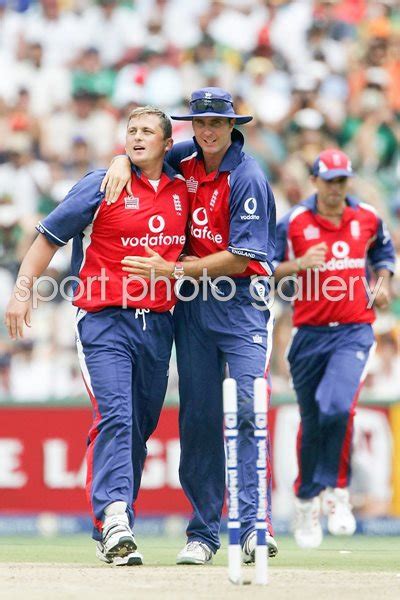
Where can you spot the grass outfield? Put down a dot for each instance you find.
(358, 553)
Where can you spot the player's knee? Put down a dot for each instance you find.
(333, 417)
(246, 415)
(309, 422)
(116, 422)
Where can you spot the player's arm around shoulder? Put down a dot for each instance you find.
(119, 173)
(117, 177)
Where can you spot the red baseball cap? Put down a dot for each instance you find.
(332, 163)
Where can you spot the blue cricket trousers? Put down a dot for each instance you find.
(124, 356)
(214, 337)
(328, 367)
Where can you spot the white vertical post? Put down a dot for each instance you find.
(231, 435)
(260, 433)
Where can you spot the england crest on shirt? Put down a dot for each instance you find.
(177, 203)
(213, 199)
(192, 184)
(311, 232)
(131, 202)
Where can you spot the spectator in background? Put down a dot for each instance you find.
(11, 26)
(371, 131)
(24, 180)
(289, 187)
(117, 31)
(176, 23)
(289, 20)
(266, 88)
(384, 381)
(49, 86)
(90, 76)
(329, 12)
(20, 119)
(163, 83)
(264, 146)
(203, 66)
(60, 32)
(79, 162)
(10, 236)
(85, 119)
(236, 26)
(393, 69)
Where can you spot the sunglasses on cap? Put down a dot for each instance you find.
(210, 104)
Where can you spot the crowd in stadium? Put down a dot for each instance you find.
(315, 73)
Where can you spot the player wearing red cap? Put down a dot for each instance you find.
(330, 242)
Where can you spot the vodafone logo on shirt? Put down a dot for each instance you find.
(340, 249)
(341, 260)
(156, 225)
(250, 207)
(200, 216)
(199, 227)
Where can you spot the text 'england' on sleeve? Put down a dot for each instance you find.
(75, 212)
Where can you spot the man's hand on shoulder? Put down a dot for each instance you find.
(117, 177)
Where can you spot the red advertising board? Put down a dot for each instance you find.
(42, 465)
(42, 460)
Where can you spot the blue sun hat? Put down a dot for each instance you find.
(212, 102)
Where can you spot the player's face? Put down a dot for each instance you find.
(145, 143)
(213, 134)
(332, 192)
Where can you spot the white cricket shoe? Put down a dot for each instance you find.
(249, 547)
(307, 527)
(117, 537)
(336, 505)
(194, 553)
(131, 559)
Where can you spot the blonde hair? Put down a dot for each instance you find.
(165, 121)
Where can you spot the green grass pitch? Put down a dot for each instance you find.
(358, 553)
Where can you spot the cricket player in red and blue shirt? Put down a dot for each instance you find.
(124, 327)
(231, 233)
(329, 243)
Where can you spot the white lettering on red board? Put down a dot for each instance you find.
(11, 475)
(55, 467)
(161, 467)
